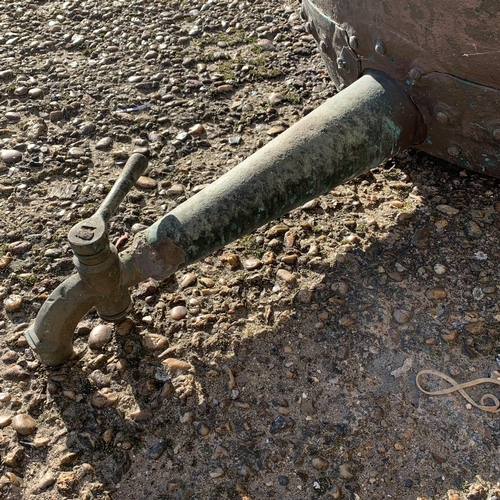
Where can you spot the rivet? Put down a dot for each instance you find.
(341, 64)
(454, 150)
(309, 28)
(322, 46)
(442, 117)
(380, 47)
(415, 74)
(353, 42)
(496, 134)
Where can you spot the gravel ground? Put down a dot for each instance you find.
(283, 365)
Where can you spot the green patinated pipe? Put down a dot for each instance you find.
(359, 128)
(364, 125)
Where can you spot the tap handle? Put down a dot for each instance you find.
(133, 169)
(89, 238)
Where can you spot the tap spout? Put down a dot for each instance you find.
(51, 335)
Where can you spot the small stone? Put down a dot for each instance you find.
(421, 237)
(67, 482)
(344, 472)
(146, 182)
(320, 463)
(12, 116)
(450, 335)
(178, 312)
(475, 328)
(141, 415)
(175, 190)
(401, 316)
(35, 93)
(436, 294)
(14, 458)
(286, 276)
(187, 280)
(68, 459)
(11, 156)
(15, 480)
(99, 337)
(439, 269)
(154, 341)
(266, 45)
(252, 263)
(283, 480)
(104, 398)
(446, 209)
(275, 98)
(5, 260)
(399, 446)
(222, 89)
(202, 429)
(217, 473)
(104, 143)
(177, 366)
(13, 303)
(47, 480)
(157, 451)
(231, 259)
(125, 327)
(5, 420)
(305, 296)
(24, 424)
(336, 492)
(277, 129)
(197, 130)
(16, 372)
(56, 116)
(76, 152)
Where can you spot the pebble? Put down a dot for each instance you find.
(187, 280)
(12, 116)
(252, 263)
(125, 327)
(277, 129)
(100, 336)
(178, 312)
(439, 269)
(436, 294)
(11, 156)
(104, 398)
(141, 415)
(421, 237)
(46, 481)
(344, 472)
(320, 463)
(156, 451)
(24, 424)
(146, 182)
(401, 316)
(5, 420)
(154, 341)
(13, 303)
(104, 143)
(76, 152)
(35, 93)
(197, 130)
(286, 276)
(275, 98)
(16, 372)
(446, 209)
(177, 366)
(475, 328)
(266, 45)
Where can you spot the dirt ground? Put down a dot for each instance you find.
(282, 366)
